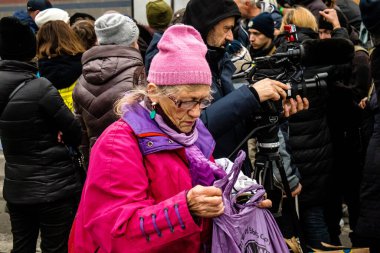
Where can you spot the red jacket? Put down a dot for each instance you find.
(133, 202)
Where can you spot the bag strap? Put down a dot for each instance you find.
(16, 90)
(223, 183)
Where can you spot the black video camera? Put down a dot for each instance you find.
(287, 68)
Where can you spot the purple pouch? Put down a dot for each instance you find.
(245, 227)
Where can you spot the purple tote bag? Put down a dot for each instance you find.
(245, 227)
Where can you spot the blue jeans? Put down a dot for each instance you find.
(314, 226)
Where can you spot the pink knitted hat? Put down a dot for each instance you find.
(181, 58)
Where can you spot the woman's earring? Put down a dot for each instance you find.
(153, 111)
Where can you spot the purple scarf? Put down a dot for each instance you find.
(202, 170)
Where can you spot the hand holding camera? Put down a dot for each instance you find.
(270, 89)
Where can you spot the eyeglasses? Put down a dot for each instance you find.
(188, 105)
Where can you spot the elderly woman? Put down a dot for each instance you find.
(148, 185)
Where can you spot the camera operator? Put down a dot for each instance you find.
(261, 35)
(309, 138)
(229, 117)
(261, 30)
(348, 125)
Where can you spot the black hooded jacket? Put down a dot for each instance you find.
(38, 169)
(204, 15)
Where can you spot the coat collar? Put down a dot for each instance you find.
(152, 139)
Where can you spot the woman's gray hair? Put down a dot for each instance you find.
(140, 93)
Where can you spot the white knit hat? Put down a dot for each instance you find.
(51, 14)
(115, 28)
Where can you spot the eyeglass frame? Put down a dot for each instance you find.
(179, 103)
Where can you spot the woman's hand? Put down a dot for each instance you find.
(266, 203)
(205, 202)
(292, 106)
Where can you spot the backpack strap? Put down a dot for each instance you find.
(16, 90)
(34, 76)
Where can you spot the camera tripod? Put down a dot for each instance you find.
(267, 156)
(265, 159)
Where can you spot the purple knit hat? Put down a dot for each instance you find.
(181, 58)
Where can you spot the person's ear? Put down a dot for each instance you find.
(135, 45)
(152, 90)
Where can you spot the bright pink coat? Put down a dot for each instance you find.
(129, 200)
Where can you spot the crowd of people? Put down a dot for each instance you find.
(152, 108)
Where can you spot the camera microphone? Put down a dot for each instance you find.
(326, 52)
(315, 52)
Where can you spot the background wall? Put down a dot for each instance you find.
(93, 7)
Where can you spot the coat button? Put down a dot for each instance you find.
(149, 144)
(170, 141)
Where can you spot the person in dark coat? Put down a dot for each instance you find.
(24, 17)
(152, 49)
(59, 52)
(261, 35)
(351, 10)
(347, 123)
(229, 118)
(310, 139)
(159, 14)
(109, 70)
(41, 185)
(367, 231)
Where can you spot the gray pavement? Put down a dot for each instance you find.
(5, 226)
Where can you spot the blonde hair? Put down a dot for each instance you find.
(300, 17)
(56, 38)
(140, 93)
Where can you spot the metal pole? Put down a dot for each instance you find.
(172, 4)
(133, 8)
